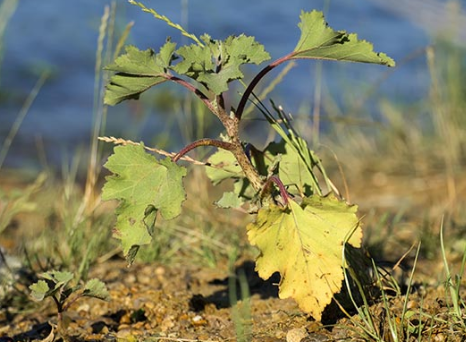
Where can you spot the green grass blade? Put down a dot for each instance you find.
(7, 8)
(22, 114)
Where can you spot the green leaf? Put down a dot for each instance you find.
(196, 60)
(137, 71)
(305, 244)
(217, 63)
(39, 290)
(244, 49)
(96, 289)
(144, 186)
(223, 166)
(59, 278)
(230, 200)
(296, 166)
(319, 41)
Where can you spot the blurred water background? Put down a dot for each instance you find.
(61, 36)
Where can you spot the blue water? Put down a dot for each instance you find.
(62, 35)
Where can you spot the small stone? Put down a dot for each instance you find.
(159, 271)
(83, 307)
(198, 320)
(123, 327)
(130, 279)
(167, 323)
(296, 335)
(439, 338)
(149, 305)
(138, 325)
(412, 304)
(126, 334)
(144, 279)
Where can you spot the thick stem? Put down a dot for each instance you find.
(231, 125)
(249, 170)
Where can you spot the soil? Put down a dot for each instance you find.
(185, 302)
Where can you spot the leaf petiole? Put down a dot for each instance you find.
(203, 142)
(256, 80)
(281, 187)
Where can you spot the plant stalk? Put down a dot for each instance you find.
(255, 81)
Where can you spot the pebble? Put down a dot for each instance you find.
(83, 308)
(199, 320)
(93, 337)
(296, 335)
(439, 338)
(412, 304)
(167, 323)
(144, 279)
(130, 279)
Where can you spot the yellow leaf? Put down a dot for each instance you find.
(305, 244)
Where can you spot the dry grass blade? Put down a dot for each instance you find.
(119, 141)
(168, 21)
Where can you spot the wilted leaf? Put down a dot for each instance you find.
(305, 244)
(144, 186)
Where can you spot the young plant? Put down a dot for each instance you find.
(56, 285)
(299, 229)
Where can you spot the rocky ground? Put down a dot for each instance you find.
(188, 302)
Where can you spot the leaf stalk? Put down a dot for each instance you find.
(203, 142)
(256, 80)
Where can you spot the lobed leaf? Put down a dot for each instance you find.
(137, 71)
(96, 289)
(144, 186)
(244, 49)
(59, 278)
(230, 199)
(39, 290)
(217, 63)
(296, 165)
(223, 166)
(305, 244)
(196, 59)
(319, 41)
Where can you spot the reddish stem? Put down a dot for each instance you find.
(203, 142)
(255, 81)
(192, 89)
(281, 187)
